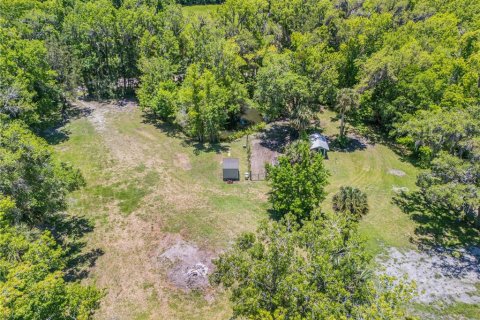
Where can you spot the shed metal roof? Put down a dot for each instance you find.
(231, 163)
(318, 141)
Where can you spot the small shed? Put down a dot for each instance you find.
(231, 169)
(318, 142)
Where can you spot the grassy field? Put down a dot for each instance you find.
(149, 189)
(368, 168)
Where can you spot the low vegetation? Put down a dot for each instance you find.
(350, 201)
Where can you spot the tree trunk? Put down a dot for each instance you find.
(342, 126)
(477, 219)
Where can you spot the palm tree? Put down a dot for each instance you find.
(347, 100)
(351, 201)
(300, 118)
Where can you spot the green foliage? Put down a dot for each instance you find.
(320, 271)
(454, 184)
(414, 65)
(245, 132)
(284, 93)
(298, 182)
(204, 103)
(31, 176)
(28, 88)
(350, 201)
(32, 284)
(429, 132)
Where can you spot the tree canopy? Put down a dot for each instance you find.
(297, 182)
(320, 271)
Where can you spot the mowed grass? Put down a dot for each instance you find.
(147, 185)
(368, 169)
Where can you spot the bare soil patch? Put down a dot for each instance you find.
(97, 110)
(182, 161)
(396, 172)
(188, 266)
(261, 156)
(267, 146)
(439, 275)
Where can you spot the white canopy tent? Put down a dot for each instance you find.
(319, 142)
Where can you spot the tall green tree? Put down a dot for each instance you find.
(298, 182)
(90, 31)
(454, 184)
(203, 102)
(31, 176)
(320, 271)
(28, 87)
(281, 92)
(32, 284)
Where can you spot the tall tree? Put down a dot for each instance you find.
(347, 101)
(454, 184)
(28, 87)
(203, 102)
(32, 284)
(298, 181)
(281, 92)
(31, 176)
(320, 271)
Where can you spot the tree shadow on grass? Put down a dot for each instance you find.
(57, 133)
(175, 131)
(200, 147)
(437, 226)
(70, 231)
(170, 129)
(350, 144)
(278, 136)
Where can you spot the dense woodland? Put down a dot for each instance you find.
(409, 70)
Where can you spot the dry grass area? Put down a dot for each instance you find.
(150, 193)
(161, 211)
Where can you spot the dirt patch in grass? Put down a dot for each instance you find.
(261, 156)
(449, 277)
(396, 172)
(267, 146)
(188, 266)
(182, 161)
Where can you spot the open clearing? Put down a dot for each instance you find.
(161, 210)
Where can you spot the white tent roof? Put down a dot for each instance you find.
(318, 141)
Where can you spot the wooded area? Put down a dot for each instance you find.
(407, 70)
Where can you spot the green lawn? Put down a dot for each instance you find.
(368, 169)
